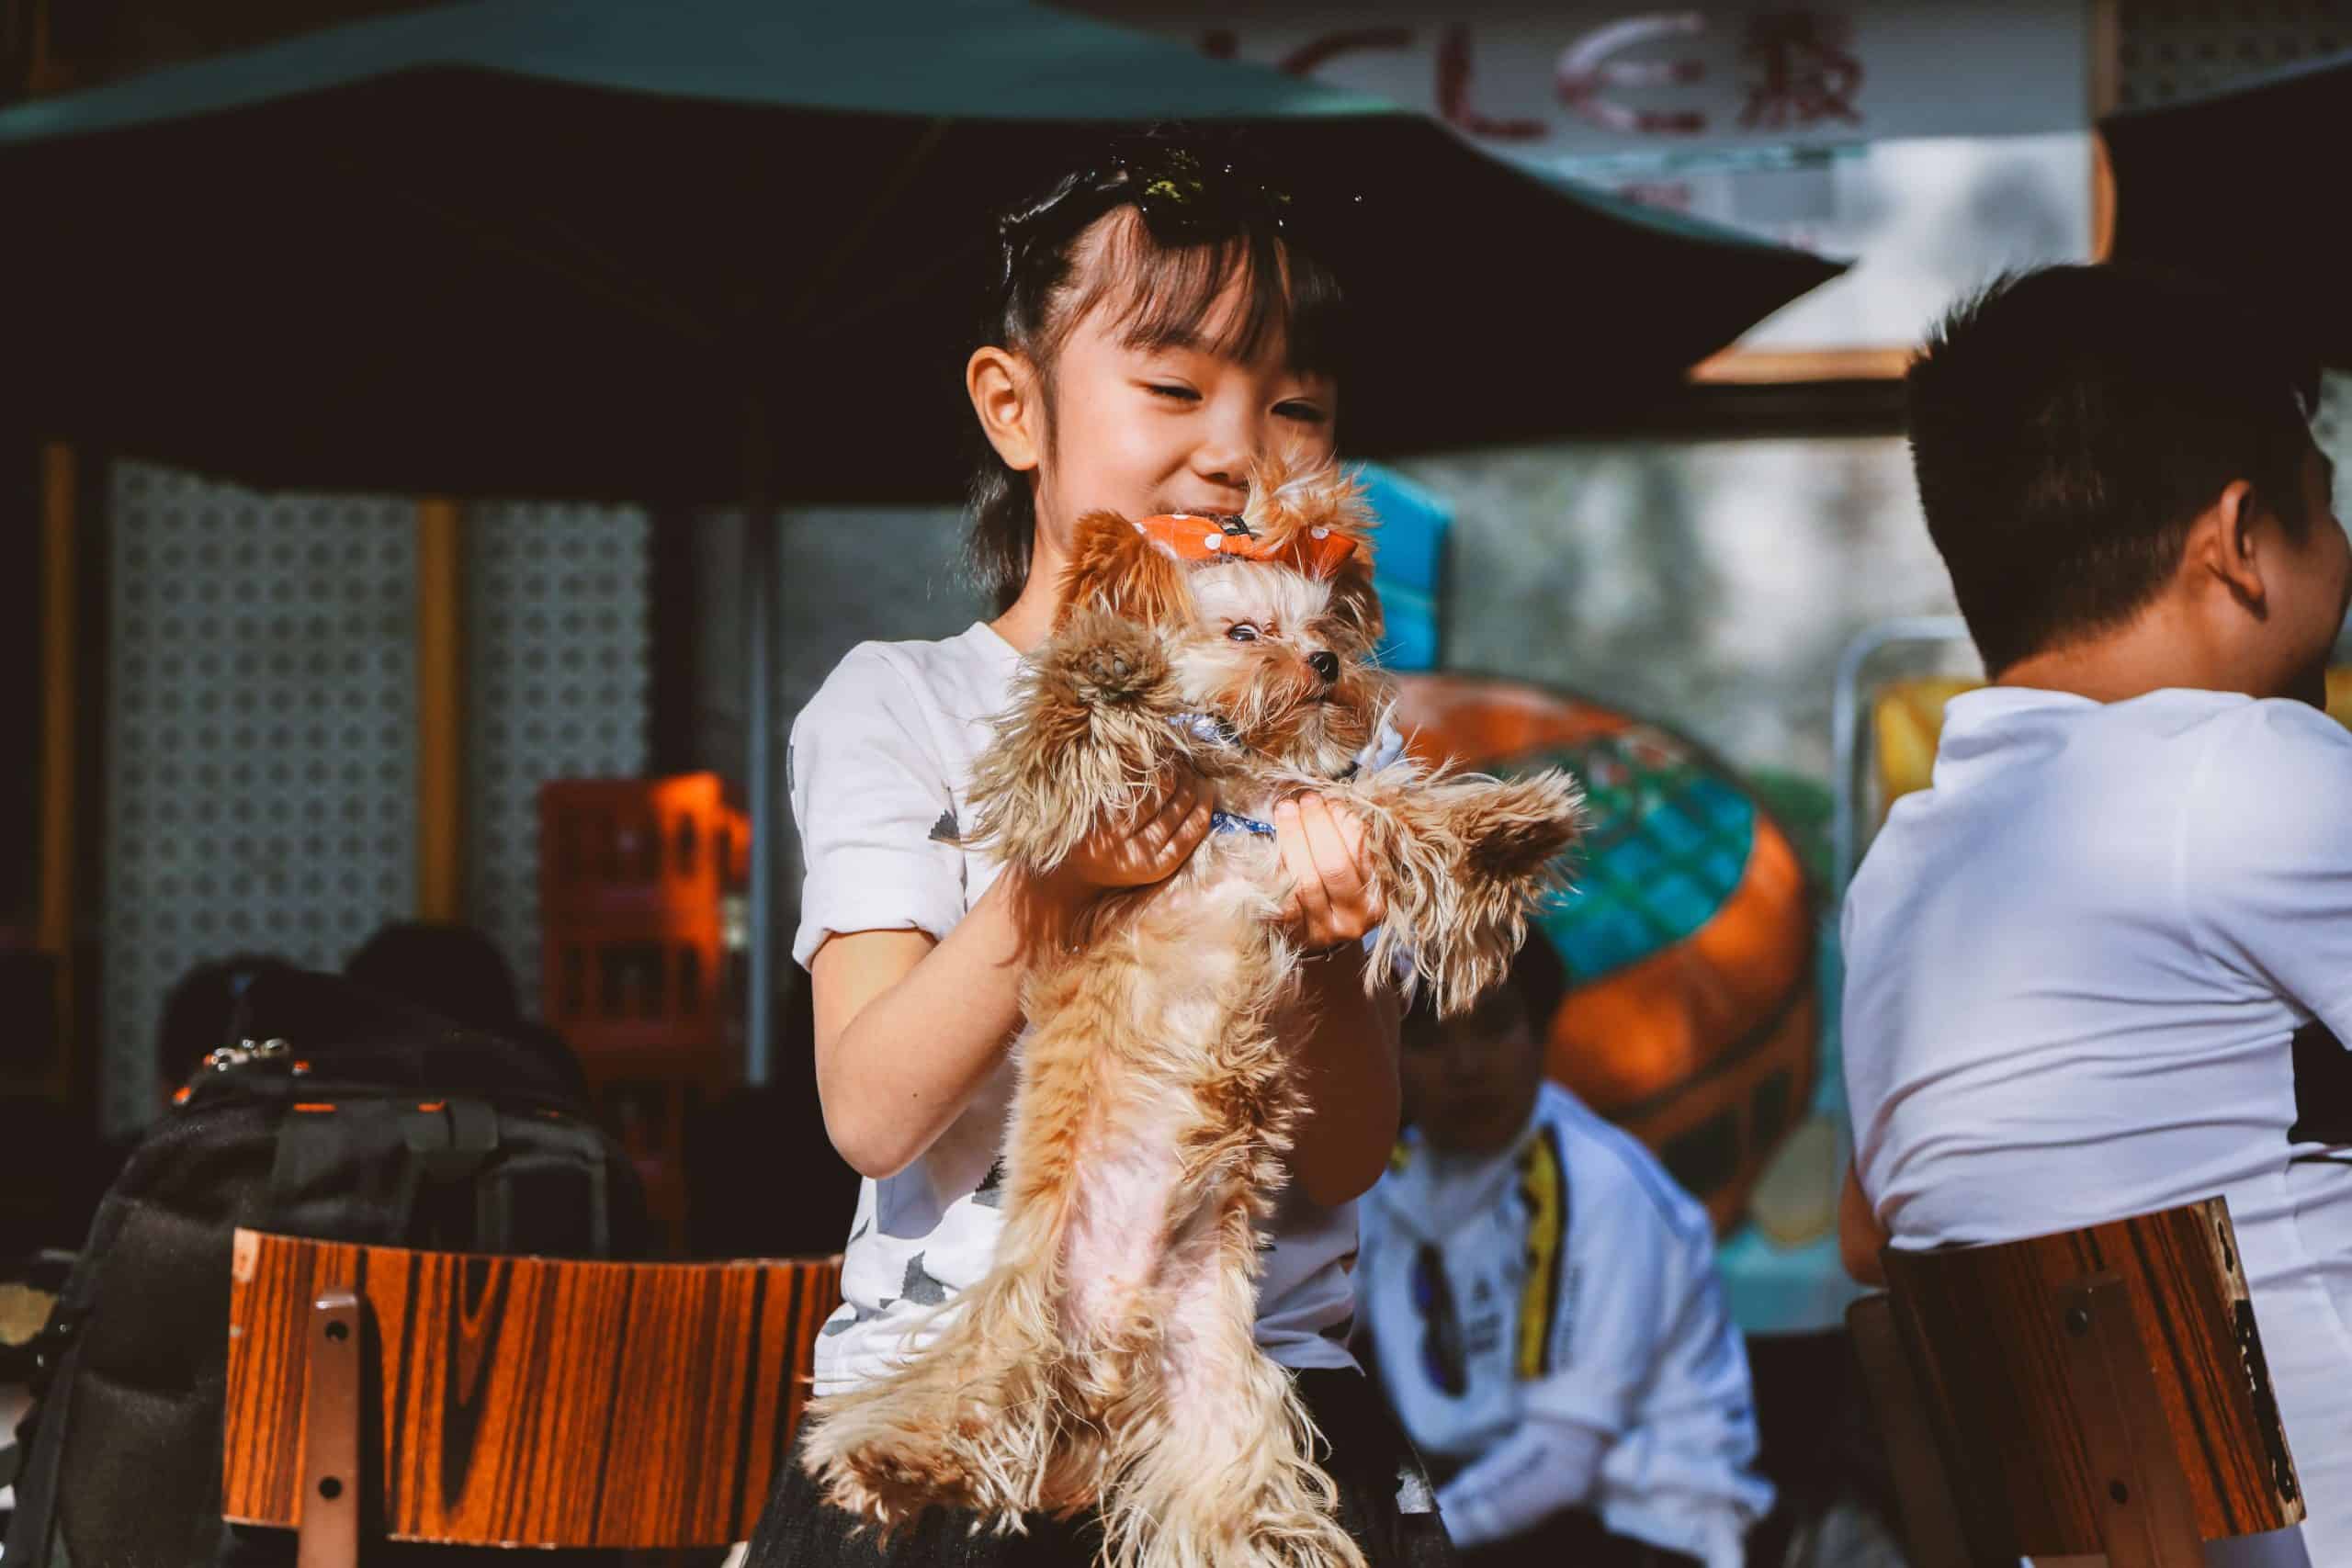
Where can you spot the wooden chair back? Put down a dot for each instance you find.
(2097, 1392)
(535, 1402)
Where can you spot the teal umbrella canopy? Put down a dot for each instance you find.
(607, 248)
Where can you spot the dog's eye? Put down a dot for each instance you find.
(1242, 631)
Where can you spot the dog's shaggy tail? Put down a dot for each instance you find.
(1179, 1502)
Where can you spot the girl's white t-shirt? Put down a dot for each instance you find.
(878, 769)
(2082, 973)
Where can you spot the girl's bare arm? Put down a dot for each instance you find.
(1349, 1061)
(909, 1028)
(1349, 1064)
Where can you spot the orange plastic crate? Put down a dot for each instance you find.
(633, 878)
(634, 875)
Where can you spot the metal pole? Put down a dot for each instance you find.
(763, 647)
(62, 695)
(440, 712)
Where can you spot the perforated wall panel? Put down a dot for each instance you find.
(2168, 50)
(559, 646)
(261, 715)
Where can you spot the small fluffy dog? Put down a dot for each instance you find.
(1107, 1357)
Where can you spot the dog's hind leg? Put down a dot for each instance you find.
(1212, 1462)
(999, 1415)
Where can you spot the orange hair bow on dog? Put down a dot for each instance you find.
(1189, 537)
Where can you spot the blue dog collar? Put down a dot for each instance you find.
(1227, 822)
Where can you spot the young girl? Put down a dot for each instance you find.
(1160, 323)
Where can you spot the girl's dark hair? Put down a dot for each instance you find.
(2068, 425)
(1191, 216)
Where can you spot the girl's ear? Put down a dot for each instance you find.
(1003, 386)
(1114, 567)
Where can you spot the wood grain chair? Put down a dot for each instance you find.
(531, 1402)
(2100, 1392)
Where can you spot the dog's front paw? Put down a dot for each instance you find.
(1464, 861)
(1108, 662)
(1517, 829)
(1110, 674)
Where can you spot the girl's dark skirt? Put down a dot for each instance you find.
(1385, 1503)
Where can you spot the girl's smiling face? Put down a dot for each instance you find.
(1139, 426)
(1151, 377)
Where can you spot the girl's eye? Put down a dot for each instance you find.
(1173, 393)
(1242, 631)
(1306, 414)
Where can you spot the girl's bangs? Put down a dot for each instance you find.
(1233, 296)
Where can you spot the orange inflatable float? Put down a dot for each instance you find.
(1692, 1015)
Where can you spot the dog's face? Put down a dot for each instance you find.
(1280, 647)
(1278, 656)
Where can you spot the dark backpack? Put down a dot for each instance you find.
(342, 1115)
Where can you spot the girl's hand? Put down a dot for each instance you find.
(1332, 900)
(1146, 845)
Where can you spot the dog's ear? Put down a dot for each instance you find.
(1114, 566)
(1353, 600)
(1288, 500)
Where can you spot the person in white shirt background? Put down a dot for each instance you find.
(1543, 1310)
(2103, 964)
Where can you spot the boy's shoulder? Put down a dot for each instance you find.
(2020, 757)
(2269, 795)
(2226, 731)
(2278, 732)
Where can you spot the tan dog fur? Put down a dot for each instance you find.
(1107, 1357)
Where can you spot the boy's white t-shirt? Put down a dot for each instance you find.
(2075, 967)
(1576, 1223)
(878, 767)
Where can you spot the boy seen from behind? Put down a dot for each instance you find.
(2102, 966)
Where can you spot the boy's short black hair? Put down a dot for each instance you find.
(1538, 981)
(2068, 424)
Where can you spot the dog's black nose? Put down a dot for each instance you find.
(1324, 663)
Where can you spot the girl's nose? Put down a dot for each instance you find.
(1228, 468)
(1225, 450)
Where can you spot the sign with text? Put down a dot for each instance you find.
(1935, 144)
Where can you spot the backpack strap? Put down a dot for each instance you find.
(56, 1354)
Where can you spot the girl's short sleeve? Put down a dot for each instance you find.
(869, 791)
